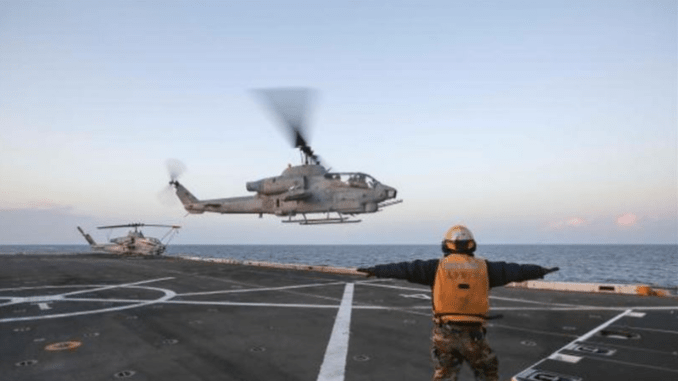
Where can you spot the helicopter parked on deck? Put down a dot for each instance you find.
(300, 190)
(134, 243)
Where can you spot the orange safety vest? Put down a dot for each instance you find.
(461, 289)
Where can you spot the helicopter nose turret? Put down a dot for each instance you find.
(387, 192)
(391, 192)
(387, 196)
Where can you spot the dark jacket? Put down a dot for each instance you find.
(424, 272)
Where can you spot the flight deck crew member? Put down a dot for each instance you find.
(460, 285)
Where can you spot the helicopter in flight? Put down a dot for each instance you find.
(134, 243)
(301, 190)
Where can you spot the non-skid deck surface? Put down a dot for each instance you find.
(100, 317)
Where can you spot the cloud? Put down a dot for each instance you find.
(628, 219)
(573, 222)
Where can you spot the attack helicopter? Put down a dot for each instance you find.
(134, 243)
(301, 190)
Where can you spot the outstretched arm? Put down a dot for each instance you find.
(502, 273)
(422, 272)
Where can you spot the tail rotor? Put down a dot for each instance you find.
(175, 169)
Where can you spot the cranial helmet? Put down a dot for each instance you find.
(459, 239)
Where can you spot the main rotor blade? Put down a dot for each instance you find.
(136, 225)
(291, 106)
(121, 226)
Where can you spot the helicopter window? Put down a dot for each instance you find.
(357, 181)
(335, 178)
(354, 180)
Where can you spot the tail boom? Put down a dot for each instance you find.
(88, 237)
(235, 205)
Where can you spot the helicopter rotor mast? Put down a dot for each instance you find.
(290, 105)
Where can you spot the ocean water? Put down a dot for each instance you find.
(655, 265)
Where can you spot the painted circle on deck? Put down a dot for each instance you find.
(55, 299)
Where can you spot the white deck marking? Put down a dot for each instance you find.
(44, 306)
(34, 287)
(216, 303)
(109, 300)
(637, 314)
(501, 326)
(656, 330)
(581, 338)
(547, 306)
(333, 367)
(10, 303)
(600, 327)
(373, 281)
(115, 286)
(565, 358)
(299, 305)
(533, 301)
(397, 287)
(416, 296)
(634, 364)
(168, 294)
(261, 289)
(573, 308)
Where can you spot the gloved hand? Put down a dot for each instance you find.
(552, 269)
(369, 271)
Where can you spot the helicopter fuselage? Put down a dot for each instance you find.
(134, 243)
(299, 190)
(302, 189)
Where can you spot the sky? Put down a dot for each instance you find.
(530, 122)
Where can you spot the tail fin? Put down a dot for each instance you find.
(88, 237)
(191, 203)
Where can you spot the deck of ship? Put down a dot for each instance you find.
(101, 317)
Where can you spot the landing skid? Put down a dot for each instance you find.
(341, 219)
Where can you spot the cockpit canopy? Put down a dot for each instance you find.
(353, 179)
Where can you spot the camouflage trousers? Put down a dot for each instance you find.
(454, 343)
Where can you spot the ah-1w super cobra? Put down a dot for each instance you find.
(135, 242)
(304, 189)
